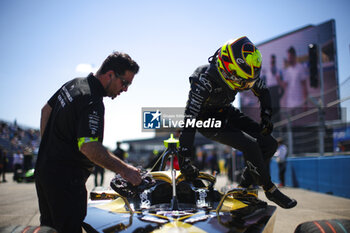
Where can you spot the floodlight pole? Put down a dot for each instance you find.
(321, 113)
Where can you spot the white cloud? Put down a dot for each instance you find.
(85, 68)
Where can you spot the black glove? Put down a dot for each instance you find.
(266, 123)
(190, 171)
(185, 152)
(126, 189)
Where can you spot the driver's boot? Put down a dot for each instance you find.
(275, 195)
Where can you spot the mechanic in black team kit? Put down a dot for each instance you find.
(235, 67)
(72, 124)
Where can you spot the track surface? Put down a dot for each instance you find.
(18, 205)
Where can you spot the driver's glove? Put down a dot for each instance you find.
(266, 123)
(190, 171)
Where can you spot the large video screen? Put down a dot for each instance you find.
(286, 71)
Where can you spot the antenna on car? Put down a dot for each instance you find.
(171, 144)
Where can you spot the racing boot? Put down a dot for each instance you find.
(273, 194)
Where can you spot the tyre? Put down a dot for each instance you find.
(324, 226)
(27, 229)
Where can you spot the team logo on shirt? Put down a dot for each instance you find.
(151, 119)
(94, 121)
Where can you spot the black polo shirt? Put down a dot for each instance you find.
(77, 116)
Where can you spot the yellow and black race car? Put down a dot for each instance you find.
(170, 203)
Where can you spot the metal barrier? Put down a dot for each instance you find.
(326, 174)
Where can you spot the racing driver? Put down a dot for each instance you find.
(234, 67)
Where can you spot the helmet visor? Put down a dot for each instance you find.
(239, 82)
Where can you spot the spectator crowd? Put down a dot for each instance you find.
(18, 148)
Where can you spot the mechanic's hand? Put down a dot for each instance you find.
(126, 189)
(266, 124)
(190, 171)
(131, 174)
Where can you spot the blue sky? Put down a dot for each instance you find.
(44, 43)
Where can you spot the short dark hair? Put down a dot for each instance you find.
(118, 62)
(291, 50)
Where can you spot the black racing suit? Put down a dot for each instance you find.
(210, 97)
(61, 169)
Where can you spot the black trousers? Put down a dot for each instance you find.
(99, 171)
(17, 172)
(242, 133)
(62, 197)
(281, 171)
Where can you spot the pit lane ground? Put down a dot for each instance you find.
(18, 204)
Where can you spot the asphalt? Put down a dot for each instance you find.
(19, 207)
